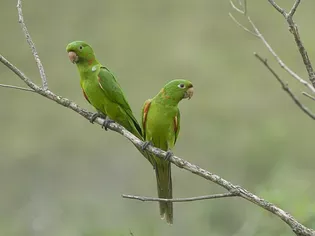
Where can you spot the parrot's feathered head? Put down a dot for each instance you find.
(80, 51)
(178, 89)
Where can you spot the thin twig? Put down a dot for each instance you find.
(281, 63)
(243, 4)
(19, 74)
(242, 26)
(16, 87)
(245, 7)
(308, 95)
(286, 87)
(278, 8)
(32, 46)
(240, 2)
(308, 65)
(293, 9)
(190, 199)
(294, 30)
(236, 8)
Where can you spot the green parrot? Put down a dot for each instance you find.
(101, 89)
(161, 125)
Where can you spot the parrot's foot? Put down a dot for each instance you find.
(146, 144)
(168, 155)
(96, 115)
(106, 123)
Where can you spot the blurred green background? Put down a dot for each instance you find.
(60, 175)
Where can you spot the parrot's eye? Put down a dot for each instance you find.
(181, 86)
(81, 47)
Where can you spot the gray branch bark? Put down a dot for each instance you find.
(294, 30)
(189, 199)
(286, 88)
(258, 34)
(32, 46)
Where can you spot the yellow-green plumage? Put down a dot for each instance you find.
(100, 87)
(161, 125)
(102, 91)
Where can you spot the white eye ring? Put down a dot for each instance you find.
(182, 86)
(80, 48)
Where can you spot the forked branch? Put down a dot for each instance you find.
(307, 63)
(295, 31)
(257, 33)
(32, 46)
(285, 87)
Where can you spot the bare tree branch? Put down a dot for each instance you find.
(295, 6)
(281, 63)
(190, 199)
(282, 11)
(244, 5)
(16, 87)
(32, 45)
(308, 95)
(294, 30)
(286, 87)
(262, 38)
(278, 8)
(237, 9)
(242, 26)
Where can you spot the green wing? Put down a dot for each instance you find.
(114, 93)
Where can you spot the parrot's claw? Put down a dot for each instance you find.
(106, 123)
(96, 115)
(145, 145)
(168, 155)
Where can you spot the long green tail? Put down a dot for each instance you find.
(163, 178)
(164, 188)
(162, 171)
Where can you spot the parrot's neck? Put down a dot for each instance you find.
(87, 66)
(164, 98)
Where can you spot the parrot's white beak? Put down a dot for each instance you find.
(189, 93)
(73, 57)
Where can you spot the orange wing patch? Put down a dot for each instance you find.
(145, 112)
(90, 61)
(164, 94)
(84, 94)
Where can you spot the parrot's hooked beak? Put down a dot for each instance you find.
(189, 93)
(73, 57)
